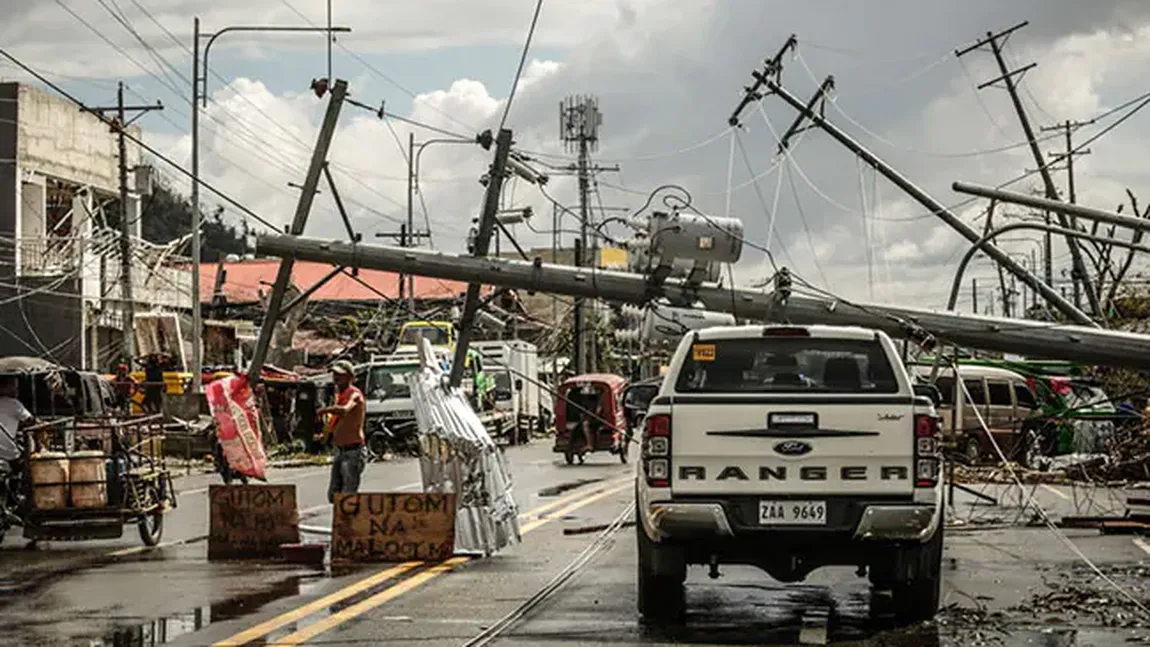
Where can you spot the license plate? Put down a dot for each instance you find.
(798, 513)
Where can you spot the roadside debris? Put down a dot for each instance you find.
(1076, 595)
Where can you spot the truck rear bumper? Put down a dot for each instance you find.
(899, 523)
(677, 520)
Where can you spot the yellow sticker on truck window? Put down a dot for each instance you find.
(703, 352)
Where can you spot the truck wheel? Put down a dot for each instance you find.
(661, 596)
(917, 599)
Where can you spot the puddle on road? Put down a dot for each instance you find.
(160, 631)
(556, 490)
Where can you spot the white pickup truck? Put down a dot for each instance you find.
(790, 448)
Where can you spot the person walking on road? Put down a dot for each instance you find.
(349, 411)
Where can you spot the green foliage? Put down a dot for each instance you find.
(167, 215)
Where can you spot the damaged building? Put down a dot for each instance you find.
(60, 262)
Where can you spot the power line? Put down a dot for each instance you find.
(385, 77)
(136, 140)
(522, 61)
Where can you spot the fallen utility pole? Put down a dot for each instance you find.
(937, 208)
(1088, 213)
(299, 221)
(118, 126)
(996, 41)
(1033, 338)
(482, 242)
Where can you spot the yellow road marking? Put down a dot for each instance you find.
(362, 607)
(570, 497)
(306, 610)
(573, 507)
(295, 615)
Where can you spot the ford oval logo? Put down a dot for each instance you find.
(792, 448)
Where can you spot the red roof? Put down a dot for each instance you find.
(244, 280)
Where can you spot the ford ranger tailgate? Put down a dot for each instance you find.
(792, 415)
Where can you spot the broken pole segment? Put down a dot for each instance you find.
(1032, 338)
(1089, 213)
(303, 208)
(482, 242)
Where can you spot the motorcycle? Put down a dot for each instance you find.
(400, 439)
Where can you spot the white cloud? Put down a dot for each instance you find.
(667, 76)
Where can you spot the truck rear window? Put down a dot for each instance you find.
(787, 364)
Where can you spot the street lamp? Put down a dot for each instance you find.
(197, 94)
(414, 152)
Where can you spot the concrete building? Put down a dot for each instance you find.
(59, 255)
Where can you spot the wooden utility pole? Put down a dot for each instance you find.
(119, 124)
(996, 42)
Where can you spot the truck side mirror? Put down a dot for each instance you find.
(519, 385)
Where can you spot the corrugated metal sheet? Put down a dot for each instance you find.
(457, 455)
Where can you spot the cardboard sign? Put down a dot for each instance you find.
(251, 521)
(391, 527)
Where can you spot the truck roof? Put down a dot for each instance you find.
(753, 332)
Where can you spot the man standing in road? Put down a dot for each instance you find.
(347, 431)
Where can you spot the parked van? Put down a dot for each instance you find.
(1003, 398)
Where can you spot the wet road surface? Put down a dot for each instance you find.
(1003, 584)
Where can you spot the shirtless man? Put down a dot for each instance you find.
(347, 434)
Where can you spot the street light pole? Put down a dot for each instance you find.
(197, 314)
(200, 93)
(413, 154)
(410, 215)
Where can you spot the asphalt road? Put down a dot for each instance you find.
(1004, 584)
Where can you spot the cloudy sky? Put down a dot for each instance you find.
(667, 75)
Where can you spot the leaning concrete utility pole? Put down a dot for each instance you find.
(299, 221)
(482, 243)
(126, 296)
(935, 207)
(996, 41)
(1034, 338)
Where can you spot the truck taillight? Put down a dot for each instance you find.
(657, 450)
(926, 464)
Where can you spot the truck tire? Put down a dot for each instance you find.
(917, 599)
(661, 596)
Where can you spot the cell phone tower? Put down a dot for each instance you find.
(579, 121)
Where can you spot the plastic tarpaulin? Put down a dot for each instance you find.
(458, 456)
(233, 405)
